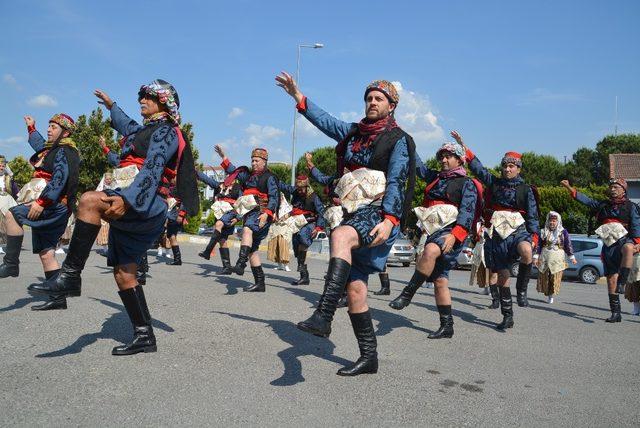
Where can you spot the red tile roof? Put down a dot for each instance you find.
(625, 165)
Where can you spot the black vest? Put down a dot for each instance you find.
(48, 165)
(142, 141)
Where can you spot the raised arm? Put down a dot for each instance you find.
(423, 171)
(332, 127)
(36, 141)
(580, 197)
(474, 163)
(140, 194)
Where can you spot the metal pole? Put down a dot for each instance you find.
(295, 121)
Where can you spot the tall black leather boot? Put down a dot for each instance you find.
(206, 254)
(301, 257)
(69, 283)
(53, 303)
(319, 323)
(143, 338)
(226, 262)
(614, 304)
(302, 268)
(495, 296)
(446, 323)
(522, 284)
(506, 306)
(409, 291)
(368, 361)
(177, 256)
(258, 276)
(385, 285)
(11, 263)
(623, 277)
(243, 258)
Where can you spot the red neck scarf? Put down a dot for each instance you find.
(369, 131)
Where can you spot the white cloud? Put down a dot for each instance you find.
(42, 101)
(235, 112)
(415, 114)
(257, 135)
(12, 141)
(544, 95)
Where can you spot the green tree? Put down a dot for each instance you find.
(580, 170)
(624, 143)
(541, 170)
(283, 172)
(22, 170)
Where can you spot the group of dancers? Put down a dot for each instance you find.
(370, 196)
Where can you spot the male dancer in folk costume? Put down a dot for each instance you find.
(549, 258)
(226, 194)
(258, 205)
(136, 213)
(333, 216)
(307, 204)
(447, 215)
(514, 227)
(378, 157)
(619, 221)
(45, 202)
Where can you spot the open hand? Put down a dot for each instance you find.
(220, 151)
(29, 121)
(117, 209)
(449, 242)
(309, 158)
(381, 232)
(286, 82)
(262, 219)
(104, 98)
(35, 210)
(458, 138)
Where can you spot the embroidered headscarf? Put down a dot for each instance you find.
(453, 148)
(166, 95)
(554, 234)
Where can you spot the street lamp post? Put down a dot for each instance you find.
(295, 112)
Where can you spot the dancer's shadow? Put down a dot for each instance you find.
(116, 327)
(564, 313)
(234, 283)
(24, 301)
(301, 344)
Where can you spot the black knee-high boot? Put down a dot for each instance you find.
(506, 306)
(446, 323)
(623, 277)
(409, 291)
(11, 263)
(69, 283)
(226, 262)
(522, 284)
(53, 303)
(368, 361)
(177, 256)
(215, 237)
(302, 268)
(495, 296)
(614, 304)
(143, 338)
(258, 276)
(243, 258)
(319, 323)
(385, 285)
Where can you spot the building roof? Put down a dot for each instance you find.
(624, 165)
(212, 168)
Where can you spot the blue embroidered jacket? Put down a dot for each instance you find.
(313, 210)
(249, 181)
(437, 194)
(142, 195)
(52, 193)
(607, 211)
(397, 170)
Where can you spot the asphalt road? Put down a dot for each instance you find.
(235, 359)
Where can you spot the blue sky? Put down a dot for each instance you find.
(538, 76)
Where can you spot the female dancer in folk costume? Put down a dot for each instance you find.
(107, 182)
(8, 193)
(45, 202)
(309, 211)
(225, 194)
(619, 221)
(258, 205)
(514, 227)
(280, 235)
(550, 256)
(378, 157)
(447, 214)
(136, 213)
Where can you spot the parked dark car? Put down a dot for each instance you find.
(587, 250)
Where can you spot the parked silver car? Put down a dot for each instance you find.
(402, 251)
